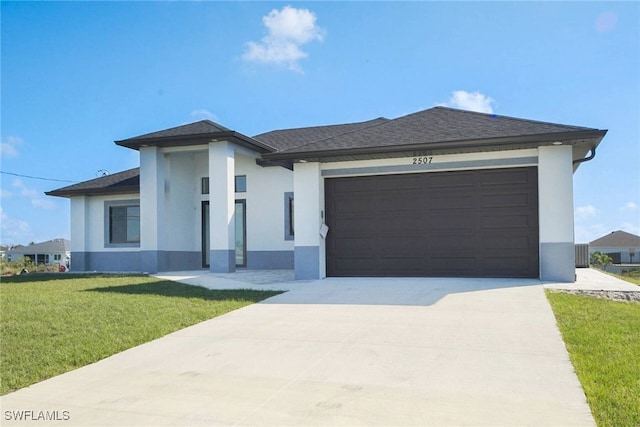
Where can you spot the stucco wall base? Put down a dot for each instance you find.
(222, 261)
(270, 260)
(557, 262)
(307, 262)
(79, 261)
(128, 261)
(106, 261)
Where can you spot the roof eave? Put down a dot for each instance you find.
(197, 139)
(448, 147)
(131, 189)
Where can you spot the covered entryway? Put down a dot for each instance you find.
(475, 223)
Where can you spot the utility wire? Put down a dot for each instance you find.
(36, 177)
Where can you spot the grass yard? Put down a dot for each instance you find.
(53, 323)
(632, 276)
(603, 340)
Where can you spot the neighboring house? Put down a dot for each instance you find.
(56, 251)
(3, 252)
(622, 247)
(441, 192)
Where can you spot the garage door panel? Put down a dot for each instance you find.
(458, 266)
(511, 242)
(404, 264)
(505, 200)
(448, 201)
(400, 245)
(354, 206)
(401, 223)
(514, 266)
(450, 181)
(505, 177)
(354, 225)
(399, 203)
(502, 221)
(468, 224)
(460, 220)
(452, 243)
(395, 183)
(355, 266)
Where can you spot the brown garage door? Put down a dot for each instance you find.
(481, 223)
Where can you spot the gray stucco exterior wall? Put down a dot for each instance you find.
(222, 261)
(306, 264)
(557, 262)
(270, 260)
(127, 261)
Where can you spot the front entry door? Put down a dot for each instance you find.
(240, 220)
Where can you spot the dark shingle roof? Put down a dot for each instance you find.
(437, 130)
(197, 128)
(118, 183)
(617, 239)
(437, 127)
(285, 139)
(197, 133)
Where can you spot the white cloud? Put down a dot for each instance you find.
(606, 22)
(5, 194)
(287, 30)
(43, 203)
(203, 114)
(9, 146)
(24, 190)
(584, 212)
(472, 101)
(630, 228)
(13, 229)
(585, 233)
(629, 207)
(37, 199)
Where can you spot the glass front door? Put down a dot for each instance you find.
(240, 220)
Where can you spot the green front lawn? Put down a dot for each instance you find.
(603, 340)
(632, 276)
(53, 323)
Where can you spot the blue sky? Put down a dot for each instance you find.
(78, 75)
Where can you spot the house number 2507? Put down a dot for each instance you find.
(422, 160)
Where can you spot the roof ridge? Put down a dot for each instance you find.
(154, 134)
(319, 126)
(442, 107)
(344, 133)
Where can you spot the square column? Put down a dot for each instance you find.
(79, 234)
(152, 199)
(222, 237)
(555, 195)
(309, 252)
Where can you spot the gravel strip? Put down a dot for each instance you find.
(630, 296)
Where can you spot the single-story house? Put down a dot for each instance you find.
(440, 192)
(56, 251)
(622, 247)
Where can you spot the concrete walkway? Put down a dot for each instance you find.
(346, 352)
(589, 279)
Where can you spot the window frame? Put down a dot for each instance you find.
(108, 205)
(204, 184)
(289, 217)
(243, 180)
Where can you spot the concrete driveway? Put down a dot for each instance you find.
(401, 352)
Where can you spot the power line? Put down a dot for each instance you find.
(36, 177)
